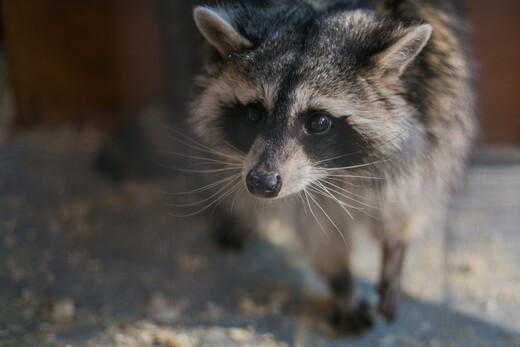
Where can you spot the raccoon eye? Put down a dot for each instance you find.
(318, 123)
(254, 113)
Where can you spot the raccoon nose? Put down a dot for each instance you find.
(265, 184)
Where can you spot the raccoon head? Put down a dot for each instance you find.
(300, 94)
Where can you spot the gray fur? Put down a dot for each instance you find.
(395, 77)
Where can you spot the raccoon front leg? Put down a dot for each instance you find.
(389, 288)
(330, 258)
(347, 315)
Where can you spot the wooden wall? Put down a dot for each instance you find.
(496, 28)
(85, 61)
(90, 61)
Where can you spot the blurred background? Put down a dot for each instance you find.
(94, 94)
(96, 62)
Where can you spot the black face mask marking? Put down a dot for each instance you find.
(340, 146)
(242, 123)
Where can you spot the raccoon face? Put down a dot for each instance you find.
(300, 95)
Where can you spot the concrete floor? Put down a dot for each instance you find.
(85, 262)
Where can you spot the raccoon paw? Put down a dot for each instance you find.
(228, 237)
(389, 295)
(354, 321)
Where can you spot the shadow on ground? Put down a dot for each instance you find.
(84, 262)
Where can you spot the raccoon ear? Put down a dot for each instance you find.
(396, 58)
(219, 31)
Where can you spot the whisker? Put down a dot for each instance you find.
(355, 166)
(206, 199)
(353, 176)
(314, 215)
(212, 160)
(209, 166)
(199, 146)
(192, 142)
(236, 149)
(240, 191)
(231, 190)
(334, 158)
(347, 182)
(326, 215)
(202, 189)
(344, 205)
(339, 202)
(303, 202)
(204, 171)
(202, 163)
(348, 192)
(203, 209)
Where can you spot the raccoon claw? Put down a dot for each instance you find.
(354, 321)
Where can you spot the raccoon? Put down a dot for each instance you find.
(341, 115)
